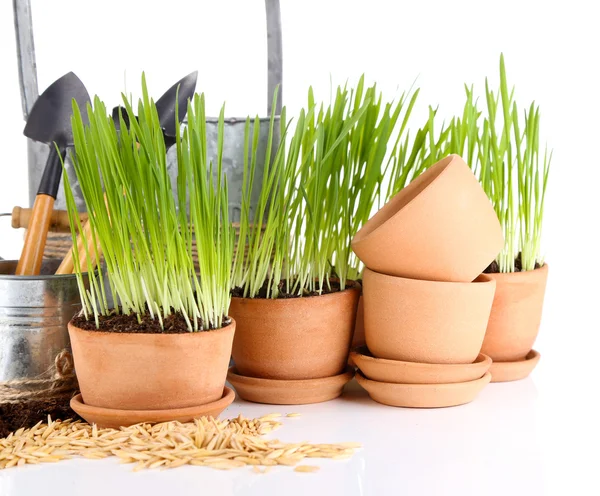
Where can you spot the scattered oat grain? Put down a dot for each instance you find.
(306, 468)
(208, 442)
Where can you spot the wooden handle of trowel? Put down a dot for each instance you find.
(59, 221)
(30, 262)
(67, 266)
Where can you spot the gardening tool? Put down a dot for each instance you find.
(59, 220)
(179, 93)
(49, 122)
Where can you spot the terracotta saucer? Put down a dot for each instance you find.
(398, 372)
(289, 392)
(514, 371)
(423, 395)
(107, 417)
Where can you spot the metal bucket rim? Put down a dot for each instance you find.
(12, 277)
(237, 120)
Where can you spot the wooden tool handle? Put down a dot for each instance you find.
(30, 262)
(59, 222)
(67, 266)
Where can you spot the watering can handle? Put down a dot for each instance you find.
(275, 54)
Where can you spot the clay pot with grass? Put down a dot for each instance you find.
(295, 313)
(519, 270)
(162, 351)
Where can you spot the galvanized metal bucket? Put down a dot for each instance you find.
(34, 313)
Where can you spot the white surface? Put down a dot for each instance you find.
(514, 439)
(515, 436)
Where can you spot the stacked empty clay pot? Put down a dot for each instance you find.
(426, 301)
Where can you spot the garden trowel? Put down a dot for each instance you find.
(50, 122)
(165, 106)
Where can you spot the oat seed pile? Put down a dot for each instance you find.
(220, 444)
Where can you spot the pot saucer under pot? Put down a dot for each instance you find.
(289, 392)
(113, 418)
(514, 371)
(423, 395)
(400, 372)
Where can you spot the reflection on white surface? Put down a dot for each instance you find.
(490, 443)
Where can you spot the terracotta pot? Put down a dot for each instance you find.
(295, 338)
(398, 372)
(289, 392)
(111, 418)
(128, 371)
(441, 227)
(423, 395)
(426, 321)
(358, 339)
(516, 314)
(515, 371)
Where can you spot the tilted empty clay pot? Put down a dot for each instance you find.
(516, 314)
(294, 338)
(441, 227)
(426, 321)
(131, 371)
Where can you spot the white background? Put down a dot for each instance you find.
(552, 51)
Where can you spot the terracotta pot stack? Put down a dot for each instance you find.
(426, 301)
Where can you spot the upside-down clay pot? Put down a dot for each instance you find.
(441, 227)
(516, 314)
(426, 321)
(294, 338)
(134, 371)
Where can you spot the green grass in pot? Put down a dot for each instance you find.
(145, 233)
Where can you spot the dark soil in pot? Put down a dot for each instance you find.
(13, 416)
(120, 323)
(494, 268)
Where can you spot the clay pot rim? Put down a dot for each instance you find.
(354, 286)
(226, 399)
(255, 381)
(443, 164)
(480, 279)
(524, 275)
(360, 377)
(155, 335)
(359, 350)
